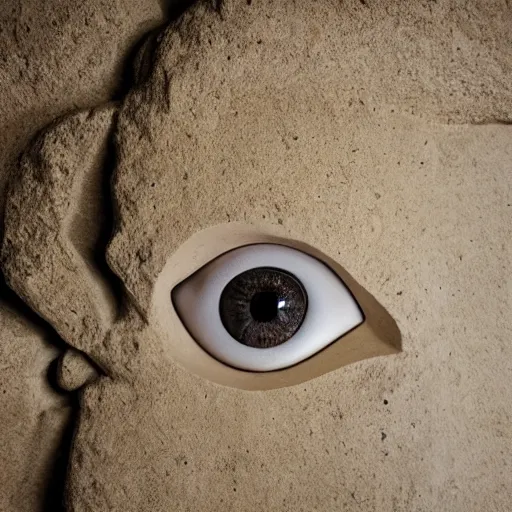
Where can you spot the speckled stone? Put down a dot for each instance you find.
(378, 134)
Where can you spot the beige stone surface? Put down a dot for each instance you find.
(33, 416)
(425, 430)
(54, 176)
(58, 56)
(55, 57)
(377, 134)
(258, 91)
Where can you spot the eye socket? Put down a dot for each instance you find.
(265, 307)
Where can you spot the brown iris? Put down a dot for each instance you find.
(263, 307)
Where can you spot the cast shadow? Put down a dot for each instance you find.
(54, 492)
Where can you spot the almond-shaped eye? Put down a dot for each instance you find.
(265, 307)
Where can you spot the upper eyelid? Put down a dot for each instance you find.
(205, 247)
(279, 242)
(210, 244)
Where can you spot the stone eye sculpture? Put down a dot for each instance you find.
(232, 198)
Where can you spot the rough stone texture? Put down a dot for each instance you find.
(33, 416)
(266, 114)
(425, 430)
(330, 120)
(39, 259)
(299, 68)
(55, 56)
(74, 370)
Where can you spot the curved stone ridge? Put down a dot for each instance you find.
(38, 259)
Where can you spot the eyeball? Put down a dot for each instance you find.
(265, 307)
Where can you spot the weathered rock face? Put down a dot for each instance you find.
(42, 260)
(56, 56)
(283, 99)
(33, 418)
(351, 128)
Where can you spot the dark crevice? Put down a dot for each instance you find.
(108, 217)
(173, 9)
(54, 500)
(54, 496)
(52, 377)
(492, 122)
(54, 492)
(138, 62)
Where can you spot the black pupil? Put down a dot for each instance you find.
(264, 306)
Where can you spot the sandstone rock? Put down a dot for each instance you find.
(329, 120)
(55, 57)
(354, 128)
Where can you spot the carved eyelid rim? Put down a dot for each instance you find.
(281, 244)
(377, 335)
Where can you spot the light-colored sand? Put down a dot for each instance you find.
(378, 135)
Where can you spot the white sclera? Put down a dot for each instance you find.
(331, 313)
